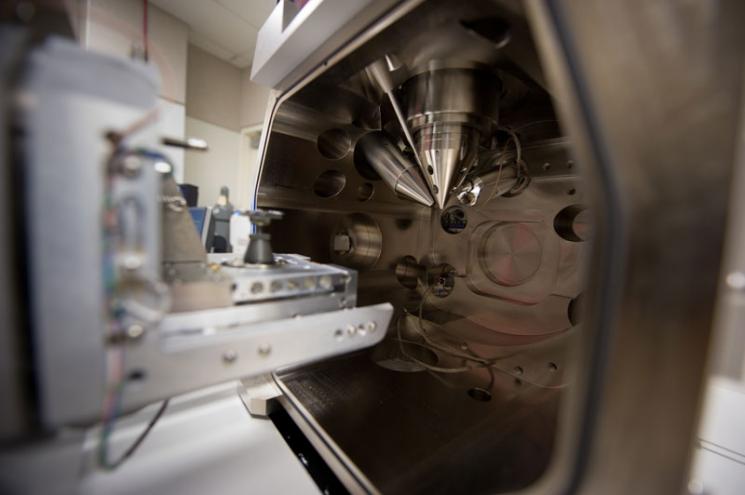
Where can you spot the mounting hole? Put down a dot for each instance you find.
(365, 192)
(430, 170)
(407, 272)
(553, 367)
(454, 220)
(494, 29)
(329, 184)
(334, 144)
(441, 280)
(136, 375)
(404, 223)
(572, 192)
(546, 167)
(574, 310)
(570, 164)
(479, 394)
(573, 223)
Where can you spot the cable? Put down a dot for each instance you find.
(103, 453)
(487, 363)
(145, 40)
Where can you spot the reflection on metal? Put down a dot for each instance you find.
(393, 167)
(408, 272)
(449, 111)
(357, 241)
(329, 184)
(510, 254)
(380, 73)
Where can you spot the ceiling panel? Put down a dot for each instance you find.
(206, 44)
(254, 12)
(224, 28)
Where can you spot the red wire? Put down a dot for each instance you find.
(144, 28)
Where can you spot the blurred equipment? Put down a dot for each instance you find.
(125, 307)
(190, 193)
(220, 223)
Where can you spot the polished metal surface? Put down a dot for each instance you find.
(290, 276)
(449, 111)
(422, 432)
(201, 348)
(357, 241)
(394, 168)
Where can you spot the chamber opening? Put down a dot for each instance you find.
(468, 215)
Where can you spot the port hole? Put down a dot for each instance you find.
(454, 220)
(334, 144)
(365, 192)
(329, 184)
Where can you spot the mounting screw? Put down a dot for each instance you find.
(229, 356)
(370, 326)
(135, 331)
(132, 262)
(351, 330)
(265, 350)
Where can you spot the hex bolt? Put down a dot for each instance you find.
(229, 356)
(342, 243)
(265, 350)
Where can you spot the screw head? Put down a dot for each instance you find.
(351, 330)
(135, 331)
(229, 356)
(370, 326)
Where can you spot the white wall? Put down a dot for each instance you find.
(115, 27)
(220, 102)
(217, 167)
(253, 100)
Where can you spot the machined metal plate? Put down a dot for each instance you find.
(394, 432)
(291, 276)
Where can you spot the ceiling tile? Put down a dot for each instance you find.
(212, 22)
(254, 12)
(243, 61)
(206, 44)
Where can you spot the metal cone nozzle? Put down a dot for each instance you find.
(447, 152)
(394, 168)
(448, 110)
